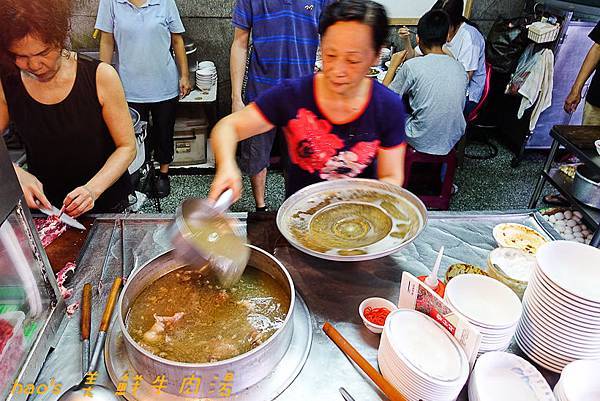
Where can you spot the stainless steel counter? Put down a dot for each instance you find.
(332, 291)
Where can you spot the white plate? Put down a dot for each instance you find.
(560, 305)
(557, 333)
(551, 353)
(561, 311)
(484, 301)
(403, 383)
(551, 288)
(573, 267)
(579, 381)
(500, 376)
(557, 315)
(398, 365)
(535, 356)
(559, 347)
(293, 219)
(426, 347)
(409, 388)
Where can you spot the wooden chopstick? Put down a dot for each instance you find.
(110, 304)
(86, 311)
(347, 348)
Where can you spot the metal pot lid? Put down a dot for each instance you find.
(351, 219)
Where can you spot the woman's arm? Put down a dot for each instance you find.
(224, 137)
(116, 115)
(181, 60)
(107, 47)
(390, 164)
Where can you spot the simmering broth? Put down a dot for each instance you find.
(186, 317)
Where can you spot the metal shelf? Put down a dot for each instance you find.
(564, 184)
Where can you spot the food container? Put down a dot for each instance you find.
(504, 261)
(11, 345)
(248, 368)
(586, 187)
(374, 302)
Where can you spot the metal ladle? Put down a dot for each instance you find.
(80, 391)
(205, 238)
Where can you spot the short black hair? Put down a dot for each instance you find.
(454, 8)
(367, 12)
(433, 28)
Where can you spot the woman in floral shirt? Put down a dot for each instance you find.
(337, 123)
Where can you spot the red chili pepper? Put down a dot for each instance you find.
(376, 315)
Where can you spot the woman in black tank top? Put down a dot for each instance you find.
(70, 113)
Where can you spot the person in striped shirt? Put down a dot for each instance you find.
(285, 39)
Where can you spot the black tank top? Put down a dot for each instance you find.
(66, 143)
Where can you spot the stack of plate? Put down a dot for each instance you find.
(561, 306)
(500, 376)
(489, 305)
(579, 382)
(206, 75)
(420, 358)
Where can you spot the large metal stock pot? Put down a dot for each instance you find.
(248, 369)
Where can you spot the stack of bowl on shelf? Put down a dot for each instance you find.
(421, 358)
(500, 376)
(489, 305)
(561, 306)
(206, 75)
(579, 382)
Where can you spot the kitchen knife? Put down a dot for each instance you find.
(65, 218)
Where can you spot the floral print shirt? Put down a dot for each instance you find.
(319, 150)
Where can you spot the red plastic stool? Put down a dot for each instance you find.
(440, 201)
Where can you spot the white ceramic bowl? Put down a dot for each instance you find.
(484, 301)
(579, 380)
(597, 143)
(573, 267)
(206, 64)
(374, 302)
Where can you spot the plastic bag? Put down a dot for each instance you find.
(505, 42)
(526, 64)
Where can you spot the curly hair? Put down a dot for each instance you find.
(47, 20)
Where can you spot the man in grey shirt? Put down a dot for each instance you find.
(436, 85)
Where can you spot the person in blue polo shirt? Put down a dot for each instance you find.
(285, 39)
(144, 32)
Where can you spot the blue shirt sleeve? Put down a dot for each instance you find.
(106, 16)
(173, 18)
(391, 119)
(242, 14)
(272, 103)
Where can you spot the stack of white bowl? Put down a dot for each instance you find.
(206, 75)
(420, 358)
(579, 382)
(489, 305)
(561, 306)
(500, 376)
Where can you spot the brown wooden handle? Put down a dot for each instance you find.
(86, 311)
(110, 303)
(387, 389)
